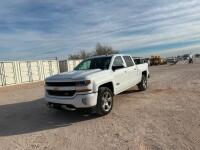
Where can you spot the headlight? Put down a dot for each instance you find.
(83, 83)
(82, 86)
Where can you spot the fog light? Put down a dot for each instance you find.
(84, 100)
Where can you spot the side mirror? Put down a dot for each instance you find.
(117, 67)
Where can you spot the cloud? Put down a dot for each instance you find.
(45, 29)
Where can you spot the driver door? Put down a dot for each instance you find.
(119, 74)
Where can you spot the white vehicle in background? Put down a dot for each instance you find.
(94, 82)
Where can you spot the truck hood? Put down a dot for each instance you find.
(74, 75)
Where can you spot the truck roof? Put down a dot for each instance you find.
(111, 55)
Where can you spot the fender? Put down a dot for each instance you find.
(98, 83)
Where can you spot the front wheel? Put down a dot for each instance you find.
(104, 101)
(142, 86)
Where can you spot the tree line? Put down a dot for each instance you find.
(99, 50)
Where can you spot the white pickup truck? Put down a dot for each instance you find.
(94, 82)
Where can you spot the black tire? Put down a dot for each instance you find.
(104, 101)
(142, 86)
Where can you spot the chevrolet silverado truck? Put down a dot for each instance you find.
(94, 82)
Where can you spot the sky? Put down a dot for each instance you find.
(35, 29)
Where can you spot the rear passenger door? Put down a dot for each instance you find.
(131, 71)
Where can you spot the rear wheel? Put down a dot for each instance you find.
(104, 101)
(142, 86)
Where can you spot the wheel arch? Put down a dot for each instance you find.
(144, 73)
(108, 85)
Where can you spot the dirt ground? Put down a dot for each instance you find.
(166, 116)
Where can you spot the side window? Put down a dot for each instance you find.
(128, 61)
(137, 61)
(118, 61)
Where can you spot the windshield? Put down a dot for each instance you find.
(94, 63)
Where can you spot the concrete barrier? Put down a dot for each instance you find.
(72, 64)
(19, 72)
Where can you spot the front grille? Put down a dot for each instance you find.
(60, 83)
(61, 93)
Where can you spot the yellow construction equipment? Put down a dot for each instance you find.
(157, 60)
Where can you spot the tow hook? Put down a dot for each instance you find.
(50, 105)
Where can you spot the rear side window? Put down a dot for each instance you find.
(137, 61)
(128, 61)
(118, 61)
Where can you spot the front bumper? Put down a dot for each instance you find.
(79, 101)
